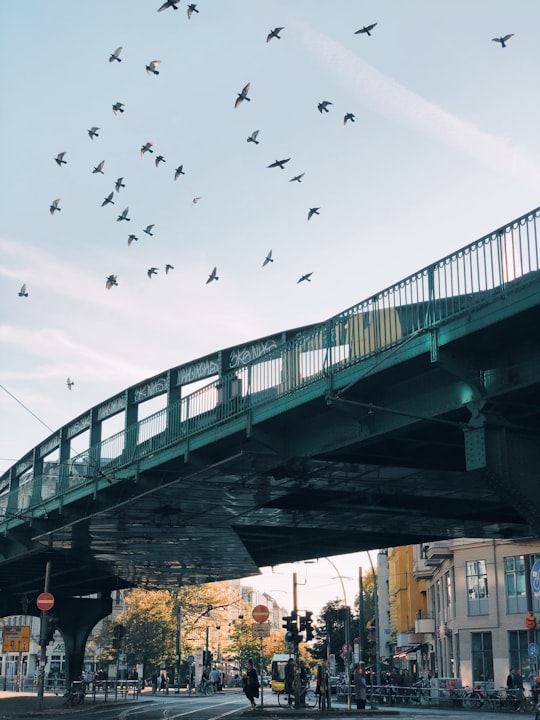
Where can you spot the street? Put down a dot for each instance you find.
(230, 703)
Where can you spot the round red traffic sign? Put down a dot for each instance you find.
(45, 601)
(260, 613)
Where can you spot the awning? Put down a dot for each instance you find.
(405, 650)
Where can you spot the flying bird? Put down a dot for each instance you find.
(268, 259)
(116, 55)
(54, 206)
(151, 271)
(131, 238)
(297, 178)
(196, 199)
(22, 291)
(111, 281)
(159, 159)
(366, 29)
(147, 147)
(148, 229)
(169, 3)
(59, 159)
(168, 267)
(313, 211)
(323, 106)
(274, 34)
(108, 200)
(213, 276)
(119, 184)
(151, 67)
(70, 384)
(179, 171)
(348, 116)
(503, 40)
(93, 132)
(118, 107)
(243, 95)
(123, 215)
(307, 277)
(191, 9)
(279, 163)
(253, 137)
(99, 168)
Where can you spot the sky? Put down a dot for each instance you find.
(444, 148)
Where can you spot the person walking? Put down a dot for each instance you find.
(251, 683)
(360, 686)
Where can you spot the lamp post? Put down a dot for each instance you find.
(377, 628)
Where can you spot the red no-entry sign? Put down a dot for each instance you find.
(45, 601)
(260, 613)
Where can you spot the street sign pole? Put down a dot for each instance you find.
(43, 642)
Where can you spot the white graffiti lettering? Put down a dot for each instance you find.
(156, 387)
(198, 371)
(52, 444)
(112, 407)
(78, 426)
(244, 355)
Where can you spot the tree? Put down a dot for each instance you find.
(330, 633)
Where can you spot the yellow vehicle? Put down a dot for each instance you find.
(279, 661)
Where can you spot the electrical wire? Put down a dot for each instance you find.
(26, 408)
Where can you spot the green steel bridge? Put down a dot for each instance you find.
(412, 416)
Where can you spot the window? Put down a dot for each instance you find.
(518, 649)
(515, 584)
(477, 588)
(482, 657)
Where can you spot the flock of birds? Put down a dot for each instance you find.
(243, 96)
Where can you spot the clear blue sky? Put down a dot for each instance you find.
(445, 148)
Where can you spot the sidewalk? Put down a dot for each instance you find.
(26, 703)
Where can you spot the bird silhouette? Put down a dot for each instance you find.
(279, 163)
(152, 271)
(323, 106)
(108, 200)
(22, 291)
(192, 8)
(348, 116)
(148, 229)
(313, 211)
(151, 67)
(132, 238)
(297, 178)
(93, 132)
(118, 107)
(213, 276)
(54, 206)
(123, 215)
(268, 258)
(274, 34)
(147, 147)
(99, 168)
(179, 171)
(169, 3)
(503, 40)
(59, 159)
(168, 267)
(119, 184)
(253, 137)
(116, 55)
(366, 29)
(243, 95)
(306, 277)
(159, 159)
(196, 199)
(70, 383)
(111, 281)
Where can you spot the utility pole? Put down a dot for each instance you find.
(178, 645)
(296, 650)
(43, 640)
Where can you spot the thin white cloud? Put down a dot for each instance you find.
(393, 100)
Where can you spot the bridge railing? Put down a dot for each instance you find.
(493, 266)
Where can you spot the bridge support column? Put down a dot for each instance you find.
(77, 617)
(511, 461)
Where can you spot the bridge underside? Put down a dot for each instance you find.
(385, 459)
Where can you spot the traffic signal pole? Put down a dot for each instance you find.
(43, 641)
(296, 651)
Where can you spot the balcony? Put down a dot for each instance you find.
(421, 570)
(437, 552)
(424, 625)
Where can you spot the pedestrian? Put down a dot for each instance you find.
(154, 681)
(360, 686)
(250, 683)
(289, 679)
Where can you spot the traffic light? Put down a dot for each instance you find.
(207, 657)
(287, 622)
(52, 624)
(302, 623)
(118, 636)
(308, 626)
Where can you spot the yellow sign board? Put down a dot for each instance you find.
(15, 638)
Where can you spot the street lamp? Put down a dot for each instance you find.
(377, 624)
